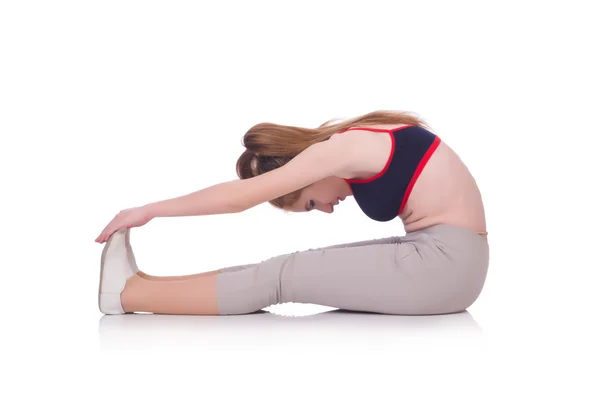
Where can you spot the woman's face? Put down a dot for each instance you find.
(322, 195)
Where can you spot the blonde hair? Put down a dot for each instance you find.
(270, 146)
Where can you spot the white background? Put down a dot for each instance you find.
(114, 104)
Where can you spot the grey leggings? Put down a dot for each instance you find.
(435, 270)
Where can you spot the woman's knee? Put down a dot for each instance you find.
(249, 288)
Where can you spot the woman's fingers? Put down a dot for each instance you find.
(110, 229)
(102, 237)
(125, 218)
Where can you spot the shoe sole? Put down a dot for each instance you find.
(102, 271)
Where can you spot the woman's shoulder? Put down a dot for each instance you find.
(375, 148)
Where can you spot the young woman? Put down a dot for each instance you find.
(393, 165)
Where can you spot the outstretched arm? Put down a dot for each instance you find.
(216, 199)
(320, 160)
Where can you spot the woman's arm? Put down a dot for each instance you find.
(328, 158)
(212, 200)
(336, 157)
(216, 199)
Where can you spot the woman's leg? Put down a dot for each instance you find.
(196, 294)
(416, 274)
(191, 296)
(360, 276)
(436, 270)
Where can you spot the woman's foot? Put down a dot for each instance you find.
(131, 257)
(115, 269)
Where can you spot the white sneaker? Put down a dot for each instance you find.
(130, 255)
(115, 269)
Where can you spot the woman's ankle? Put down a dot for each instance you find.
(131, 295)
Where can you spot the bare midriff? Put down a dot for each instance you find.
(445, 192)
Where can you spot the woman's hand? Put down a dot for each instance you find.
(131, 217)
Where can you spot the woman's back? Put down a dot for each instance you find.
(445, 191)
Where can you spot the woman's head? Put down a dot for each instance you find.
(270, 146)
(321, 195)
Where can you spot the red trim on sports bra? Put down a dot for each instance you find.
(390, 156)
(418, 171)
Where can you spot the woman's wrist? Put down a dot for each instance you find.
(150, 210)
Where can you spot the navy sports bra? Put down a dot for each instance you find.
(383, 196)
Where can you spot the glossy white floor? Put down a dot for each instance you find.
(111, 105)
